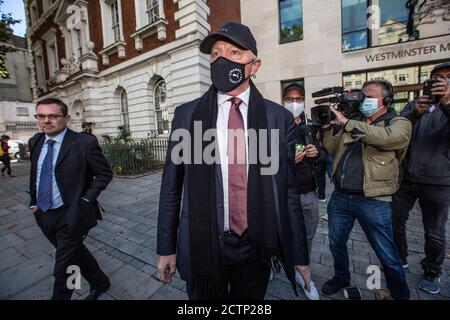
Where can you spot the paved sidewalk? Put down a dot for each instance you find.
(124, 244)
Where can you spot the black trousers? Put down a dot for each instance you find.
(6, 165)
(70, 250)
(245, 277)
(434, 202)
(321, 179)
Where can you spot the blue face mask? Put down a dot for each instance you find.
(369, 106)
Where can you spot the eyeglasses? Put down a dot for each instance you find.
(49, 116)
(294, 99)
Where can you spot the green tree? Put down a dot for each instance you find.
(6, 21)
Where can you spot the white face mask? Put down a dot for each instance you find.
(295, 108)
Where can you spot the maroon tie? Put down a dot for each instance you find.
(237, 169)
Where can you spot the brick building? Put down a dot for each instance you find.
(122, 62)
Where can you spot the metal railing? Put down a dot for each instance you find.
(135, 157)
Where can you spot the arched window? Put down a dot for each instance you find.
(124, 110)
(162, 117)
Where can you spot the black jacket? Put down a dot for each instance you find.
(306, 170)
(79, 161)
(428, 158)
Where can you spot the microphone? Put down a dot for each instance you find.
(307, 132)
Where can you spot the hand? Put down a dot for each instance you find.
(311, 151)
(299, 155)
(422, 104)
(305, 271)
(441, 88)
(340, 118)
(33, 210)
(166, 267)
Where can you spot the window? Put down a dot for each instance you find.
(52, 56)
(394, 19)
(124, 110)
(115, 24)
(152, 10)
(21, 111)
(291, 20)
(425, 72)
(397, 77)
(52, 52)
(356, 78)
(40, 68)
(429, 19)
(112, 28)
(162, 117)
(34, 13)
(354, 28)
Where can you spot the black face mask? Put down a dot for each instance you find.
(227, 75)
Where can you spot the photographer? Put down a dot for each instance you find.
(365, 173)
(427, 176)
(308, 154)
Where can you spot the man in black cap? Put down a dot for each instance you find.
(235, 219)
(426, 176)
(86, 127)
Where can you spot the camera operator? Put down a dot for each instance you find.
(427, 177)
(365, 173)
(308, 154)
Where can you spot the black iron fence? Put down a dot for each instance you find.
(135, 157)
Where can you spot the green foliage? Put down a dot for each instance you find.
(129, 157)
(6, 21)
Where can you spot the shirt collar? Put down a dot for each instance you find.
(223, 97)
(431, 109)
(58, 138)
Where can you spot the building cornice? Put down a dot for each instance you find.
(193, 38)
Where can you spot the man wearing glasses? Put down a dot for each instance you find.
(68, 172)
(308, 153)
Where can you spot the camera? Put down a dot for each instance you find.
(347, 102)
(427, 86)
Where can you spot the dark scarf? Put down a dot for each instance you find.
(206, 259)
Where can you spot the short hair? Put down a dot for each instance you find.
(62, 106)
(4, 136)
(386, 87)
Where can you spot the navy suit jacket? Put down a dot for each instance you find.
(79, 161)
(173, 226)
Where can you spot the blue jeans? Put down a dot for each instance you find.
(374, 216)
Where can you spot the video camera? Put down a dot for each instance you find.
(347, 102)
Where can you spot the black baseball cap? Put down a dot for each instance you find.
(439, 67)
(294, 85)
(235, 32)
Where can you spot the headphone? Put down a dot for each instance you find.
(389, 98)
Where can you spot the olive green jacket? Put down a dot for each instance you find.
(383, 148)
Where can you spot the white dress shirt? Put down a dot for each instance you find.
(222, 139)
(56, 195)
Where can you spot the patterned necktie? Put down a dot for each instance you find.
(237, 169)
(45, 196)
